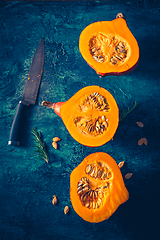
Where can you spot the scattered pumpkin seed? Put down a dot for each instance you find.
(121, 164)
(145, 141)
(54, 201)
(140, 124)
(56, 139)
(54, 144)
(140, 142)
(66, 209)
(128, 175)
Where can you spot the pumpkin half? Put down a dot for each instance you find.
(91, 115)
(109, 47)
(97, 187)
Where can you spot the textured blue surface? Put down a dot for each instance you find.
(27, 184)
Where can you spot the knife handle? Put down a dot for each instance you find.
(14, 138)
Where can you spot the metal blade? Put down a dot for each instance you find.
(35, 74)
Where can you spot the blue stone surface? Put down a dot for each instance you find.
(27, 184)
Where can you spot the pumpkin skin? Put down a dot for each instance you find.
(107, 193)
(107, 37)
(80, 116)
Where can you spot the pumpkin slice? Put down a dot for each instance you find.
(97, 187)
(109, 47)
(91, 115)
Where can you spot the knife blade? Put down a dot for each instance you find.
(30, 93)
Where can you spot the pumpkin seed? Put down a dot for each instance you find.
(91, 193)
(140, 142)
(56, 139)
(128, 175)
(121, 164)
(54, 144)
(93, 205)
(95, 171)
(99, 173)
(100, 194)
(87, 205)
(90, 204)
(66, 209)
(95, 194)
(113, 61)
(84, 197)
(99, 201)
(54, 200)
(104, 176)
(88, 168)
(140, 124)
(145, 141)
(92, 172)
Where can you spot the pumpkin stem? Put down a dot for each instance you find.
(48, 104)
(121, 15)
(55, 106)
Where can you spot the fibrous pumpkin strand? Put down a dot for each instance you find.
(87, 124)
(105, 48)
(92, 198)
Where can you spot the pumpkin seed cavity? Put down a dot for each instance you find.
(86, 124)
(108, 48)
(93, 198)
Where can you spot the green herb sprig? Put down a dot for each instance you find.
(39, 145)
(125, 112)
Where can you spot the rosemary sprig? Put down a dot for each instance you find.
(40, 145)
(125, 112)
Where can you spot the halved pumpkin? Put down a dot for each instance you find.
(109, 47)
(91, 115)
(97, 187)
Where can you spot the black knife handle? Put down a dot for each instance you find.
(15, 133)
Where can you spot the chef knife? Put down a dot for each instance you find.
(29, 94)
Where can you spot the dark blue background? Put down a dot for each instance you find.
(27, 184)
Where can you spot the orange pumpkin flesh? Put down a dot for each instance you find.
(91, 116)
(109, 47)
(97, 187)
